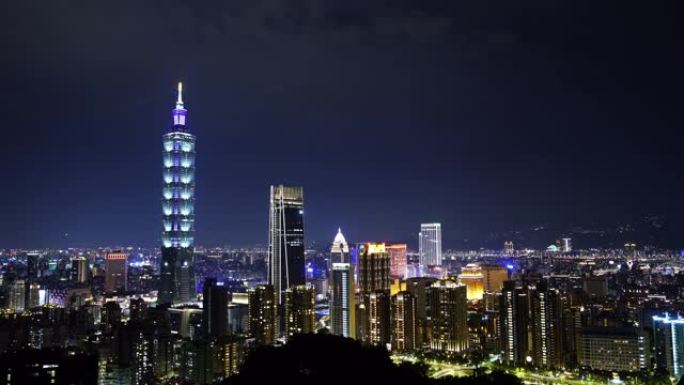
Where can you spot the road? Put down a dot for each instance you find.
(440, 369)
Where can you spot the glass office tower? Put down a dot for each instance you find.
(286, 239)
(177, 276)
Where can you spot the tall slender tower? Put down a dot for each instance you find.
(514, 323)
(403, 321)
(178, 198)
(546, 324)
(342, 306)
(286, 239)
(430, 245)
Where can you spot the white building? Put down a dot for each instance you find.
(430, 245)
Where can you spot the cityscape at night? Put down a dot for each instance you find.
(313, 191)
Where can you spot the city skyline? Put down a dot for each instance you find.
(524, 118)
(492, 193)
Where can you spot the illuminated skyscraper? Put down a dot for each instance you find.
(403, 321)
(342, 304)
(286, 239)
(178, 209)
(669, 344)
(374, 268)
(339, 252)
(116, 270)
(398, 255)
(300, 316)
(430, 245)
(448, 316)
(263, 314)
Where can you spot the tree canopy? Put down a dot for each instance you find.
(320, 359)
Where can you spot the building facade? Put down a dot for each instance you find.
(612, 349)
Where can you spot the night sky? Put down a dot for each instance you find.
(487, 116)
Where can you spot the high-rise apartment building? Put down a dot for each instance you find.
(448, 316)
(300, 312)
(376, 328)
(430, 245)
(418, 286)
(403, 319)
(178, 209)
(342, 301)
(547, 326)
(514, 324)
(263, 314)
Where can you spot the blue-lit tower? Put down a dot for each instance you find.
(178, 206)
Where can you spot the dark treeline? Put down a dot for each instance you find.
(319, 359)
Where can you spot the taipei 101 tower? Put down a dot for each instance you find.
(178, 209)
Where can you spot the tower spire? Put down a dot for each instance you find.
(179, 113)
(179, 102)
